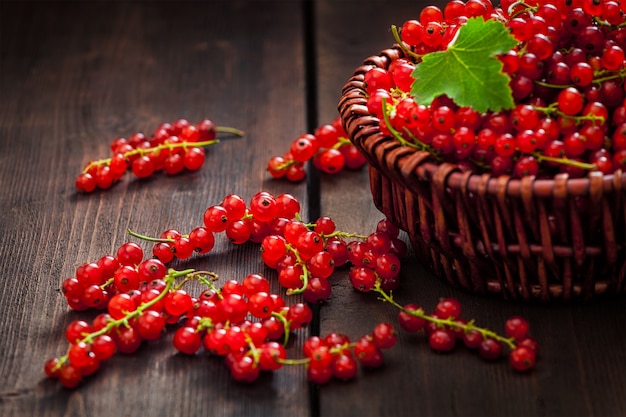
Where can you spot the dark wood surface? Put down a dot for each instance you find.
(74, 75)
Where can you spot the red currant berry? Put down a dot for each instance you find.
(409, 322)
(448, 308)
(385, 336)
(187, 340)
(490, 349)
(516, 327)
(442, 340)
(272, 355)
(129, 254)
(120, 305)
(344, 367)
(522, 358)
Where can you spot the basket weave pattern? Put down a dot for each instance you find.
(532, 239)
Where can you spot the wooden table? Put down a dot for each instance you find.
(74, 75)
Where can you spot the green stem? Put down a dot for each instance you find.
(341, 141)
(305, 361)
(209, 283)
(345, 235)
(158, 148)
(563, 161)
(286, 164)
(525, 8)
(621, 74)
(337, 233)
(149, 238)
(553, 110)
(198, 275)
(205, 323)
(403, 46)
(231, 130)
(421, 145)
(548, 85)
(107, 283)
(301, 361)
(392, 130)
(449, 322)
(305, 272)
(253, 351)
(286, 326)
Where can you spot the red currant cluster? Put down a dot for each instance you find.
(444, 327)
(252, 346)
(566, 77)
(172, 148)
(328, 147)
(139, 301)
(306, 255)
(303, 254)
(95, 283)
(335, 356)
(243, 321)
(239, 221)
(240, 321)
(219, 320)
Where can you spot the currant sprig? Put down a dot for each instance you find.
(132, 154)
(87, 349)
(171, 148)
(565, 79)
(328, 147)
(243, 322)
(445, 326)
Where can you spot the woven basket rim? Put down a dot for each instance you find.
(354, 115)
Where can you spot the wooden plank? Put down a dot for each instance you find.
(75, 75)
(582, 357)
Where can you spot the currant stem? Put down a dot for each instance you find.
(552, 109)
(205, 323)
(253, 351)
(563, 161)
(107, 283)
(599, 78)
(555, 86)
(209, 283)
(345, 235)
(421, 145)
(449, 322)
(621, 74)
(286, 326)
(393, 131)
(200, 276)
(231, 130)
(306, 361)
(305, 272)
(341, 141)
(149, 238)
(158, 148)
(337, 233)
(402, 45)
(301, 361)
(525, 6)
(286, 164)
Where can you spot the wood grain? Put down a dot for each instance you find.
(74, 75)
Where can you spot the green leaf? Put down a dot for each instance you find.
(468, 71)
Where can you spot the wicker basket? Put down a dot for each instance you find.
(529, 239)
